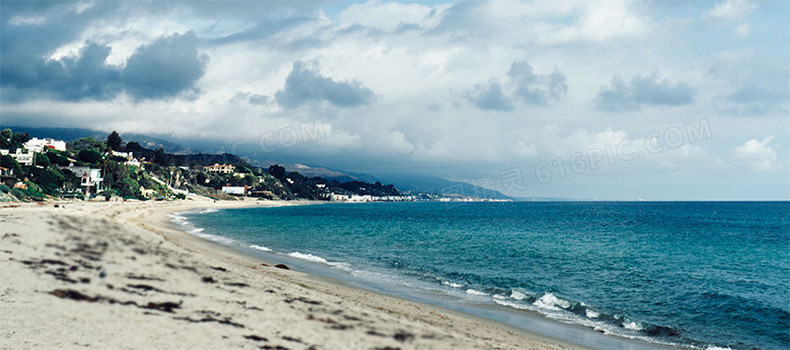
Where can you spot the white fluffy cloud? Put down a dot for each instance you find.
(732, 9)
(758, 154)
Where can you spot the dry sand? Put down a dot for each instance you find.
(115, 275)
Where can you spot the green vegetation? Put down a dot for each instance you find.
(12, 140)
(161, 175)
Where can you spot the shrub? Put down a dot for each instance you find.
(18, 194)
(4, 188)
(51, 180)
(33, 190)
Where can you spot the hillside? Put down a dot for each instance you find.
(90, 168)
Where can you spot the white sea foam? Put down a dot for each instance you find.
(214, 238)
(260, 247)
(176, 217)
(195, 230)
(320, 260)
(512, 304)
(635, 326)
(476, 292)
(308, 257)
(341, 265)
(500, 296)
(711, 347)
(518, 295)
(591, 314)
(551, 302)
(208, 210)
(452, 284)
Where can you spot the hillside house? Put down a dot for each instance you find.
(221, 168)
(23, 158)
(37, 145)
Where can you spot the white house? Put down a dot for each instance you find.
(134, 162)
(221, 168)
(237, 190)
(127, 155)
(21, 158)
(37, 145)
(89, 178)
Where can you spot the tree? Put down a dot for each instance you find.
(5, 138)
(9, 162)
(18, 139)
(51, 180)
(160, 157)
(133, 147)
(129, 188)
(41, 159)
(277, 171)
(89, 156)
(57, 158)
(89, 143)
(114, 141)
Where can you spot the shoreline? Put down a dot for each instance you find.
(528, 323)
(225, 297)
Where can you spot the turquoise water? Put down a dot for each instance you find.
(709, 274)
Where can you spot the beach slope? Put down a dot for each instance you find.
(116, 275)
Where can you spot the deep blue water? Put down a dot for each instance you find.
(697, 274)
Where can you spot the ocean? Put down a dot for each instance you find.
(707, 275)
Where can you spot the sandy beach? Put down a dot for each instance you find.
(117, 275)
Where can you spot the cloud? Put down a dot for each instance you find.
(490, 97)
(758, 154)
(753, 86)
(521, 84)
(164, 68)
(536, 89)
(732, 9)
(30, 32)
(304, 85)
(642, 91)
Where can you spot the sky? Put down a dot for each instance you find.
(607, 100)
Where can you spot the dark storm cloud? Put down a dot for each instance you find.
(642, 91)
(30, 31)
(165, 68)
(522, 85)
(304, 85)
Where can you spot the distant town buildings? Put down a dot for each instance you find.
(334, 197)
(221, 168)
(37, 145)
